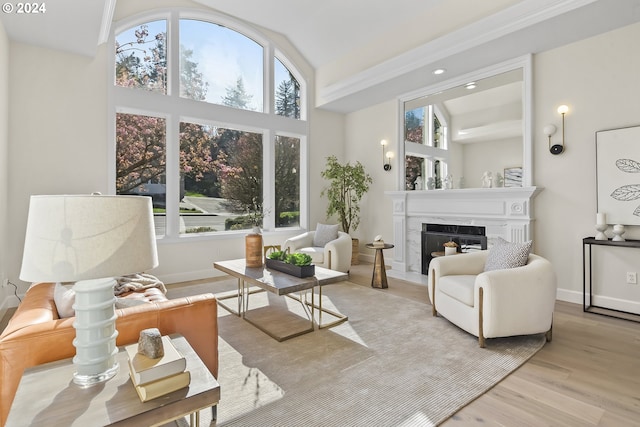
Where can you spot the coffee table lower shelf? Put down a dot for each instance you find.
(282, 284)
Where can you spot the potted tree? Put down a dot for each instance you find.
(347, 184)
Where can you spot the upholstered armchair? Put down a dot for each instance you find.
(496, 303)
(328, 248)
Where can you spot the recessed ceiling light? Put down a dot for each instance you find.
(439, 71)
(471, 85)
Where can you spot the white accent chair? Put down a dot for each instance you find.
(335, 255)
(498, 303)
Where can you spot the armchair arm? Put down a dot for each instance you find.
(339, 252)
(518, 300)
(303, 240)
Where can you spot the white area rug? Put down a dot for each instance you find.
(391, 364)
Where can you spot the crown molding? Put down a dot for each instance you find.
(508, 21)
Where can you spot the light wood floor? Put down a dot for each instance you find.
(589, 375)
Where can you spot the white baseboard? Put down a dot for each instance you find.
(568, 295)
(616, 304)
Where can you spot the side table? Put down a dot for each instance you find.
(47, 396)
(379, 278)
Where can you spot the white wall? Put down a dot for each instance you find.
(365, 129)
(598, 79)
(4, 163)
(58, 135)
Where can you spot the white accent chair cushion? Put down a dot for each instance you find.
(334, 255)
(495, 303)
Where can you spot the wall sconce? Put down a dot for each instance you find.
(550, 130)
(386, 156)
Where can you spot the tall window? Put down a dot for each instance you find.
(202, 130)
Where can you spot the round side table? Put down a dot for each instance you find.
(379, 278)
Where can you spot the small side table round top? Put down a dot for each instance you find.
(379, 278)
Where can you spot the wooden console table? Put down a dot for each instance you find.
(47, 396)
(587, 278)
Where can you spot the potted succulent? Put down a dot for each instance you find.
(450, 247)
(347, 184)
(297, 264)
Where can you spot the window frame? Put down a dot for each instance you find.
(176, 109)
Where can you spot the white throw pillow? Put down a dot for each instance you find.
(324, 234)
(64, 297)
(505, 255)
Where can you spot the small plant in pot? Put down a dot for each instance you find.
(347, 185)
(296, 264)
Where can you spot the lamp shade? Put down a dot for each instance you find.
(79, 237)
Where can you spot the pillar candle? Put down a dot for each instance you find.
(601, 218)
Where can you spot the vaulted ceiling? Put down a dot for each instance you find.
(366, 51)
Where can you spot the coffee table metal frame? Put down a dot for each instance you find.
(282, 284)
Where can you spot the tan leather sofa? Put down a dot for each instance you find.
(36, 335)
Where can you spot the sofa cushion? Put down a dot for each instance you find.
(505, 255)
(64, 296)
(324, 234)
(459, 287)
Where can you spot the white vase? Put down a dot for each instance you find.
(448, 250)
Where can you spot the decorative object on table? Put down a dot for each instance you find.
(270, 248)
(487, 179)
(601, 226)
(617, 169)
(144, 369)
(378, 242)
(618, 231)
(347, 184)
(513, 177)
(89, 239)
(499, 180)
(253, 248)
(450, 247)
(448, 182)
(431, 183)
(297, 264)
(150, 343)
(418, 183)
(550, 130)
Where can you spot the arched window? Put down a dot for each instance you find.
(209, 121)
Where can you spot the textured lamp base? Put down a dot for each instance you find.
(96, 332)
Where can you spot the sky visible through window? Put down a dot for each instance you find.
(222, 56)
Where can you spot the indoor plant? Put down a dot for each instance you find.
(296, 264)
(347, 184)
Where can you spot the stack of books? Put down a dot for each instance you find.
(153, 378)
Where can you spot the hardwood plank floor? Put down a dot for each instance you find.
(589, 375)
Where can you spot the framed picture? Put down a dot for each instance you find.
(513, 177)
(618, 175)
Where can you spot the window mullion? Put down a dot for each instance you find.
(173, 128)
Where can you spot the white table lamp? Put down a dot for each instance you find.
(89, 239)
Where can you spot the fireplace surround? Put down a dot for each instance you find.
(503, 212)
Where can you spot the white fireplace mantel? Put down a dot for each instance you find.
(504, 212)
